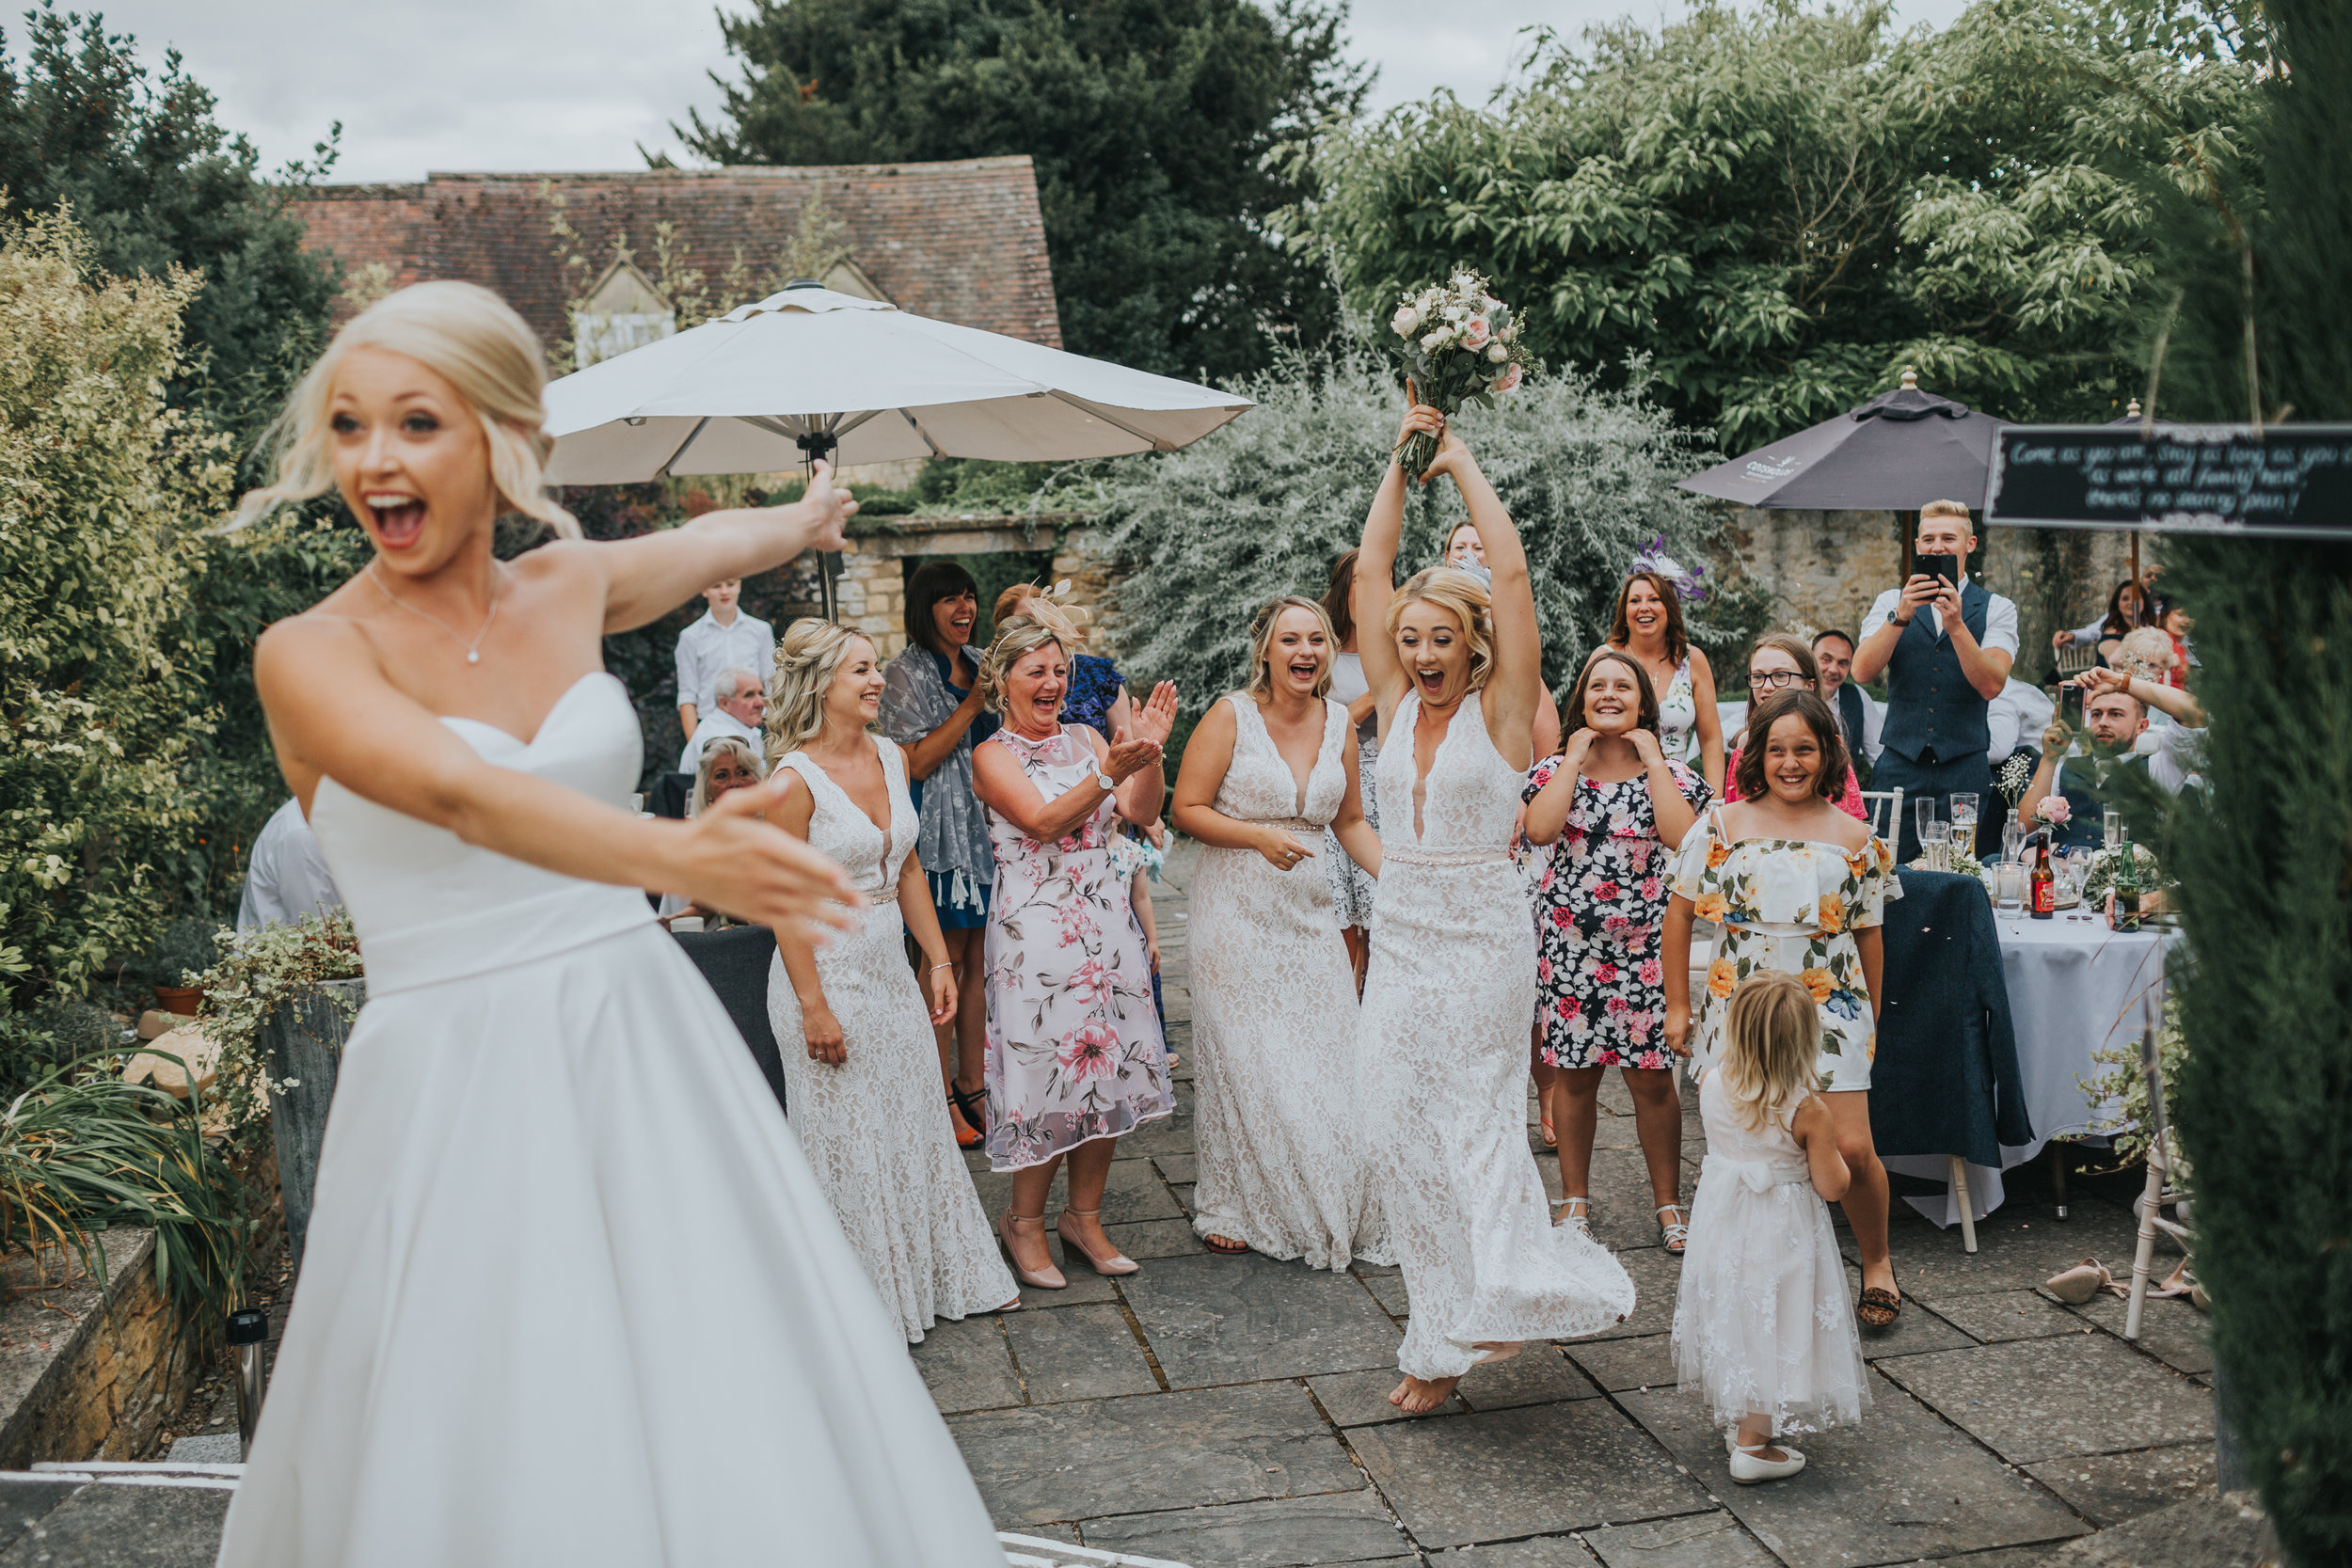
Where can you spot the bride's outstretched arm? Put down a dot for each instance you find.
(1517, 682)
(1375, 569)
(648, 576)
(332, 711)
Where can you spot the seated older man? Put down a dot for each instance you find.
(740, 707)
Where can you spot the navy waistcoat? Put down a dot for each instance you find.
(1933, 714)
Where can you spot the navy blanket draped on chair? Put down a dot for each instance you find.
(736, 962)
(1945, 1080)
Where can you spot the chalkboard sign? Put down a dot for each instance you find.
(2292, 479)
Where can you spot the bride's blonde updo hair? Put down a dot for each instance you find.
(809, 655)
(1464, 597)
(1015, 641)
(469, 338)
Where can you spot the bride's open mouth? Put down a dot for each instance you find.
(399, 517)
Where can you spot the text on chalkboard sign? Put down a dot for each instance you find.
(2287, 480)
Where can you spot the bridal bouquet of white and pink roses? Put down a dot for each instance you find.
(1462, 345)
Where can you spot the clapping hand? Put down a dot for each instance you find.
(1156, 718)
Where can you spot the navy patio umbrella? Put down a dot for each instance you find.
(1897, 452)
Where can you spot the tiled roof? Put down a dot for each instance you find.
(962, 242)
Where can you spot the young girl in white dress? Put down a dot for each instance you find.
(860, 1093)
(1762, 1327)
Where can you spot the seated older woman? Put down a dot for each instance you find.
(727, 764)
(1074, 1053)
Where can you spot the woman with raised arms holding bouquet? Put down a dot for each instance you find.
(1451, 993)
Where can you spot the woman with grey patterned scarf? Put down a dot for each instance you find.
(931, 705)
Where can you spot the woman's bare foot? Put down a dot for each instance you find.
(1418, 1396)
(1224, 1243)
(1496, 1349)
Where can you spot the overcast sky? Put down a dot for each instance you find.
(533, 85)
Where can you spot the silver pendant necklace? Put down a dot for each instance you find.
(473, 649)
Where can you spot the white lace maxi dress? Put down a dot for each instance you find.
(872, 1125)
(1762, 1324)
(1277, 1129)
(1449, 1000)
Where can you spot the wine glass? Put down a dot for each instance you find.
(1924, 809)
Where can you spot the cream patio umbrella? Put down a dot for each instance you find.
(807, 373)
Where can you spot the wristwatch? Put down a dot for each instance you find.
(1105, 780)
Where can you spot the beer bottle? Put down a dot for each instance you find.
(2044, 883)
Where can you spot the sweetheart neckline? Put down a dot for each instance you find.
(540, 730)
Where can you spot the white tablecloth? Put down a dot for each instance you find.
(2074, 987)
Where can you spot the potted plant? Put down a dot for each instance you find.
(175, 965)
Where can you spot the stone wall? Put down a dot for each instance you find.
(89, 1371)
(873, 570)
(1825, 568)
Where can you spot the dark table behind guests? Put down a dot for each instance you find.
(1946, 1077)
(736, 962)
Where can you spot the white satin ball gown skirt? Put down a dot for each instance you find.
(570, 1293)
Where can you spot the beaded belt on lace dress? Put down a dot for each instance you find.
(1443, 857)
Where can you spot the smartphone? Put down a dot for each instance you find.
(1944, 566)
(2070, 703)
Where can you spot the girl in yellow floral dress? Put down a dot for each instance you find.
(1799, 886)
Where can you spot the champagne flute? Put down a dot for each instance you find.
(1924, 809)
(1965, 820)
(1935, 842)
(2111, 824)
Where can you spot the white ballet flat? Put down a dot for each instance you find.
(1748, 1468)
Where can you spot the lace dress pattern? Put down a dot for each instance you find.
(1284, 1164)
(1074, 1049)
(1599, 977)
(1791, 905)
(1762, 1326)
(872, 1125)
(1449, 998)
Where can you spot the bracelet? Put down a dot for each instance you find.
(936, 967)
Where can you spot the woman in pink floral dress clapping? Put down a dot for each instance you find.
(1075, 1053)
(1618, 806)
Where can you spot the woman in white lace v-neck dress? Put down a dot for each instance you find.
(1283, 1166)
(1450, 997)
(860, 1093)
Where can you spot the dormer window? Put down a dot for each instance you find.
(624, 310)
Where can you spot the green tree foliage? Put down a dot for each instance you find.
(101, 678)
(155, 183)
(1149, 121)
(2256, 268)
(1785, 207)
(1264, 506)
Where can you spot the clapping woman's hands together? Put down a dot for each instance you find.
(733, 861)
(1137, 744)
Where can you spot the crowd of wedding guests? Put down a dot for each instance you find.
(1419, 881)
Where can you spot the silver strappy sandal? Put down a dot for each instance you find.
(1677, 1232)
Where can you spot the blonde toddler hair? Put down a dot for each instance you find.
(1262, 644)
(1771, 1037)
(809, 655)
(469, 338)
(1016, 640)
(1465, 598)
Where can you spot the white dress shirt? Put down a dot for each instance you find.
(2000, 618)
(705, 648)
(2019, 714)
(718, 724)
(2174, 754)
(287, 876)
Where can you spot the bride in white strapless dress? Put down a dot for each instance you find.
(571, 1293)
(1450, 992)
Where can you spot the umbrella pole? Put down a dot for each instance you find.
(2143, 592)
(817, 444)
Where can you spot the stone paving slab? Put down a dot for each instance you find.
(1215, 1319)
(1095, 1459)
(1656, 1277)
(968, 1366)
(1548, 1551)
(2111, 1488)
(1134, 1192)
(1388, 1290)
(2032, 1400)
(1647, 1362)
(2001, 1315)
(1152, 1239)
(2018, 1246)
(1167, 1134)
(2170, 1329)
(1361, 1399)
(1505, 1474)
(1539, 1374)
(1288, 1532)
(1915, 1329)
(1176, 1168)
(117, 1526)
(1701, 1541)
(1900, 1486)
(1079, 1352)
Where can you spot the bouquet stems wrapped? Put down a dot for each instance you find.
(1460, 345)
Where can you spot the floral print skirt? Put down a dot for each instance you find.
(1831, 967)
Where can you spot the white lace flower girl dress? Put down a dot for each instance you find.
(1762, 1323)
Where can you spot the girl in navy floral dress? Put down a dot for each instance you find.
(1618, 807)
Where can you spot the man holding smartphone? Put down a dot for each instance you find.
(1946, 645)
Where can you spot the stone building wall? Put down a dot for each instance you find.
(872, 585)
